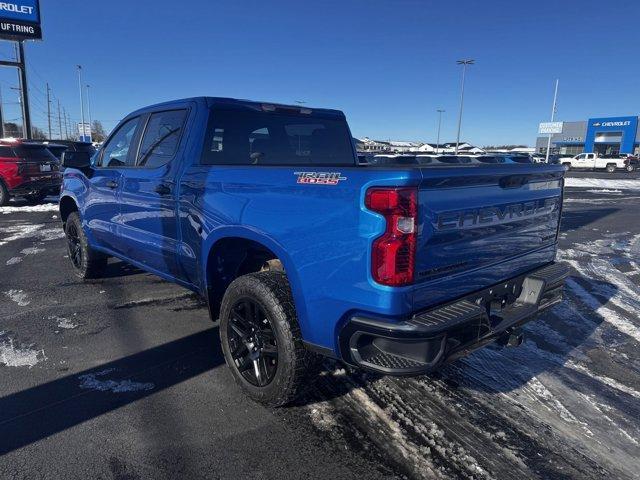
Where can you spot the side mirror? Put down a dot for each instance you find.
(78, 160)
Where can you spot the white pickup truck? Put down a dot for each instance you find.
(593, 161)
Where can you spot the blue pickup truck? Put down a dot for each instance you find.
(301, 253)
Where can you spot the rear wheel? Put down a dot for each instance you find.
(4, 195)
(261, 338)
(630, 168)
(86, 261)
(611, 167)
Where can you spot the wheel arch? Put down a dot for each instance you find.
(236, 251)
(67, 206)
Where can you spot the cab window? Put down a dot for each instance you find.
(161, 138)
(116, 152)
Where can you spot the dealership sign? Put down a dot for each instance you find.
(624, 123)
(20, 20)
(550, 127)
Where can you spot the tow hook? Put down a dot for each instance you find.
(511, 338)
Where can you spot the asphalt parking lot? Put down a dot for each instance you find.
(123, 378)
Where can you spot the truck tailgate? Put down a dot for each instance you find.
(473, 218)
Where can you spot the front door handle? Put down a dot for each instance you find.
(163, 189)
(112, 184)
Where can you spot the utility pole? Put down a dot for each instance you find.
(81, 102)
(70, 134)
(1, 116)
(66, 127)
(49, 109)
(59, 120)
(464, 64)
(553, 116)
(89, 112)
(440, 112)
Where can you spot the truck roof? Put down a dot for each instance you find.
(252, 104)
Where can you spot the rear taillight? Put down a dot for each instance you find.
(393, 253)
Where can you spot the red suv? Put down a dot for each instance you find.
(27, 170)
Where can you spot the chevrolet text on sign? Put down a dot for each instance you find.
(20, 20)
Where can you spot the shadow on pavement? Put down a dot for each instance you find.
(575, 219)
(44, 410)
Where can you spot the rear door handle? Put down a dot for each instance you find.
(112, 184)
(163, 189)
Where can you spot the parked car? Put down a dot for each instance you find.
(58, 147)
(391, 160)
(301, 253)
(27, 170)
(594, 161)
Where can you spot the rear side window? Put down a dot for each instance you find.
(161, 138)
(251, 137)
(36, 152)
(6, 152)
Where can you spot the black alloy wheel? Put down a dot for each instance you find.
(252, 342)
(73, 245)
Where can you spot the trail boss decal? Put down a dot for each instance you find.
(319, 178)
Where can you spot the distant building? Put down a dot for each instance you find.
(367, 145)
(611, 135)
(403, 147)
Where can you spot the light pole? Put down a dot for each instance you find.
(440, 112)
(81, 102)
(464, 64)
(89, 113)
(553, 116)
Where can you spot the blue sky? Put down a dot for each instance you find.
(388, 65)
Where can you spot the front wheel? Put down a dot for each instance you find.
(568, 165)
(261, 339)
(86, 262)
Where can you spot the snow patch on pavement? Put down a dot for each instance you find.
(602, 183)
(13, 356)
(46, 207)
(91, 381)
(63, 323)
(14, 260)
(19, 297)
(22, 231)
(32, 251)
(605, 190)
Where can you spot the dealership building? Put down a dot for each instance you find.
(605, 136)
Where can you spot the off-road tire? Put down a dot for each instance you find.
(611, 168)
(91, 264)
(4, 195)
(295, 364)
